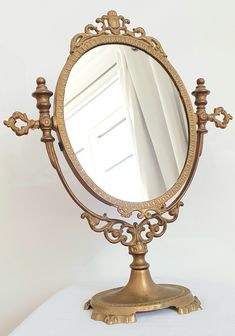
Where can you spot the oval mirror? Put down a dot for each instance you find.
(126, 122)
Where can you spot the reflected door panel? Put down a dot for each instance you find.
(126, 122)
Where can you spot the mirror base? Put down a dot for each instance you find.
(120, 305)
(141, 294)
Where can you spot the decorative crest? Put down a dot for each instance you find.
(113, 24)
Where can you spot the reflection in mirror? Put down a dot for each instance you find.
(126, 122)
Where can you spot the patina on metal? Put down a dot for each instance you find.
(120, 305)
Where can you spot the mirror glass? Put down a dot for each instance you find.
(126, 122)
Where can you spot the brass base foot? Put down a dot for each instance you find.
(120, 306)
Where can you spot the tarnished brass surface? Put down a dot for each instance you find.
(141, 293)
(109, 306)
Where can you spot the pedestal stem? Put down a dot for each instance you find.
(138, 253)
(140, 282)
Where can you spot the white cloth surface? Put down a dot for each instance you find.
(63, 315)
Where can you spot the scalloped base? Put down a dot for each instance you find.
(115, 306)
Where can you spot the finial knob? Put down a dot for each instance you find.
(40, 81)
(200, 81)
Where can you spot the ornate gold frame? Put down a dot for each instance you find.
(111, 33)
(141, 293)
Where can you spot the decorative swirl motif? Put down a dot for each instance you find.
(143, 213)
(220, 123)
(23, 130)
(113, 24)
(120, 231)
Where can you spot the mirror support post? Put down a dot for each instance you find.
(45, 122)
(200, 94)
(42, 95)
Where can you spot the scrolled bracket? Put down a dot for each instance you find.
(120, 231)
(218, 111)
(23, 130)
(42, 95)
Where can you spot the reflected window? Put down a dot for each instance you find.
(99, 133)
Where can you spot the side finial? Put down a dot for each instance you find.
(200, 94)
(42, 95)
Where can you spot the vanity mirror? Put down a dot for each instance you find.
(127, 128)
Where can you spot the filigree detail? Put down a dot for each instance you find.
(23, 130)
(143, 213)
(218, 111)
(124, 212)
(120, 231)
(113, 24)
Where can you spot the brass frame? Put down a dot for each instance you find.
(141, 293)
(82, 43)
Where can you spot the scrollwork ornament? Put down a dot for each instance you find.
(113, 24)
(23, 130)
(218, 111)
(120, 231)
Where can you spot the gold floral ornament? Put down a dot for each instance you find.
(23, 130)
(113, 24)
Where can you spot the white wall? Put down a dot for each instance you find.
(44, 246)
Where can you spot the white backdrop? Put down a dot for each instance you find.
(44, 246)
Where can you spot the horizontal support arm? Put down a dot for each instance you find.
(218, 111)
(23, 130)
(45, 122)
(200, 94)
